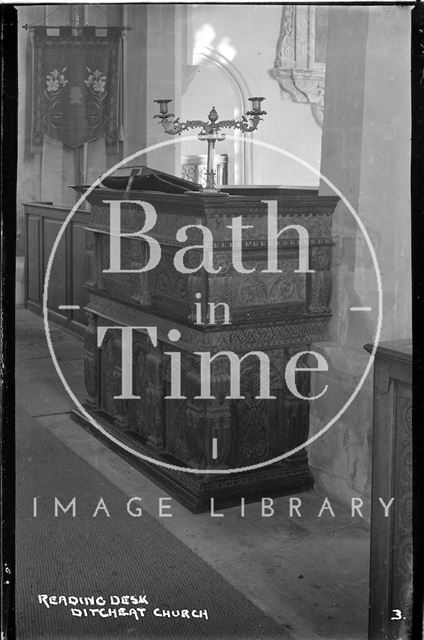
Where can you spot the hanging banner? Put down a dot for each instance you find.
(76, 85)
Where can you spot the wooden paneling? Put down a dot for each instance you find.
(391, 536)
(58, 274)
(79, 271)
(69, 268)
(33, 284)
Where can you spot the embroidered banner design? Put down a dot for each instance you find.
(76, 86)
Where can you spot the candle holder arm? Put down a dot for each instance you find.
(244, 124)
(175, 127)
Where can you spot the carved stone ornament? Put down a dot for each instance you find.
(296, 68)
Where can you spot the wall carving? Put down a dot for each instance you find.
(257, 289)
(299, 65)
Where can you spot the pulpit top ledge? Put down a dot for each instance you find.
(293, 207)
(227, 199)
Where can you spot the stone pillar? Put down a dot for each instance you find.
(152, 67)
(366, 154)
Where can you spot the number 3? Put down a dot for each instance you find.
(398, 614)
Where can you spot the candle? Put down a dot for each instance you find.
(256, 103)
(163, 105)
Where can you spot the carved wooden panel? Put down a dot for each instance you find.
(391, 537)
(279, 314)
(149, 412)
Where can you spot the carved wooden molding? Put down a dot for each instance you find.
(298, 69)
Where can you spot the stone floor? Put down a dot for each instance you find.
(308, 573)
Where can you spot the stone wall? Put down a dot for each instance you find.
(366, 153)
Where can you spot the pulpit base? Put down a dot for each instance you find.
(194, 491)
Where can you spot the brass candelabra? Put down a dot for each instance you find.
(210, 130)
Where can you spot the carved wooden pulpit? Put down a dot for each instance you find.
(279, 314)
